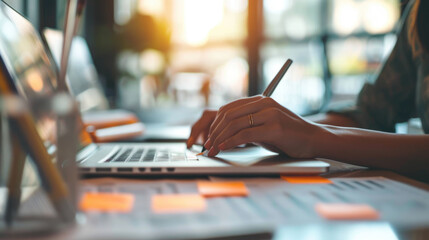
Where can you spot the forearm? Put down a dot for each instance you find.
(406, 154)
(332, 119)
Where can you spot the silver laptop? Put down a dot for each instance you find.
(83, 81)
(24, 60)
(82, 77)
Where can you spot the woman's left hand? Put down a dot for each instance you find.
(263, 121)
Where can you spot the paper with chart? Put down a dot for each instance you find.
(271, 202)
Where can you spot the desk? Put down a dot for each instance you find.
(259, 230)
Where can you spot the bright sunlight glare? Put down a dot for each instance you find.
(200, 17)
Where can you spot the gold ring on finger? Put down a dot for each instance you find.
(251, 122)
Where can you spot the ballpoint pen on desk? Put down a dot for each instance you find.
(270, 88)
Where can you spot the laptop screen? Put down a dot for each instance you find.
(30, 70)
(82, 77)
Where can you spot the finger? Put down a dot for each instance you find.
(247, 135)
(205, 135)
(236, 103)
(196, 130)
(239, 124)
(200, 126)
(230, 106)
(240, 111)
(220, 122)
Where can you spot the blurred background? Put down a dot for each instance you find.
(192, 54)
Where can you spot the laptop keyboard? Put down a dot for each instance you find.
(150, 155)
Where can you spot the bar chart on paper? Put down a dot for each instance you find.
(271, 202)
(267, 203)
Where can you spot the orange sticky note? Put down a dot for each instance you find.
(220, 189)
(107, 202)
(178, 203)
(306, 179)
(343, 211)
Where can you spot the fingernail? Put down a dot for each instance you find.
(222, 146)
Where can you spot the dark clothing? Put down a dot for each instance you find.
(401, 89)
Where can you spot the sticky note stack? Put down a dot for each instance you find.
(107, 202)
(345, 211)
(222, 189)
(178, 203)
(306, 180)
(181, 203)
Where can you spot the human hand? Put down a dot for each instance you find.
(263, 121)
(201, 127)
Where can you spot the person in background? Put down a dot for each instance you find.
(362, 135)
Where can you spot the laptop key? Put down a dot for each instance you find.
(123, 156)
(148, 158)
(161, 159)
(136, 156)
(150, 155)
(113, 156)
(162, 155)
(175, 156)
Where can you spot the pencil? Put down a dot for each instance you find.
(271, 87)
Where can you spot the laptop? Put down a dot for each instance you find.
(84, 84)
(31, 73)
(82, 77)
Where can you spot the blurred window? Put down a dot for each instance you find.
(205, 62)
(292, 19)
(194, 53)
(337, 45)
(302, 88)
(370, 16)
(355, 60)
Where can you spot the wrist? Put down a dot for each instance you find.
(324, 139)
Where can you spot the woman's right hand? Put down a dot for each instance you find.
(203, 126)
